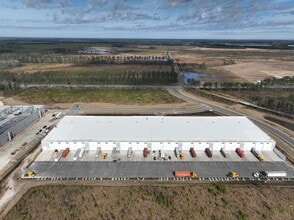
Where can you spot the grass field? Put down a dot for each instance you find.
(117, 96)
(216, 201)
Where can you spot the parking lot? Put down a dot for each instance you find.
(148, 169)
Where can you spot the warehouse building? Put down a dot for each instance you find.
(14, 119)
(157, 133)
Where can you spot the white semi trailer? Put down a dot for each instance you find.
(77, 154)
(275, 173)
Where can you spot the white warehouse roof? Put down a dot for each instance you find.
(156, 129)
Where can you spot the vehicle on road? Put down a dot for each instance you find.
(233, 174)
(185, 174)
(274, 173)
(256, 175)
(31, 174)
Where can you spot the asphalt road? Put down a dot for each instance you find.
(275, 132)
(134, 169)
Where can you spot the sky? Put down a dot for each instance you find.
(164, 19)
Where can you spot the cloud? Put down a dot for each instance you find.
(108, 17)
(45, 4)
(174, 16)
(93, 13)
(175, 3)
(229, 15)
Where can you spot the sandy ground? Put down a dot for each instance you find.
(32, 68)
(250, 64)
(231, 49)
(253, 71)
(12, 101)
(197, 59)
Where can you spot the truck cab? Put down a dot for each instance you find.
(194, 174)
(182, 156)
(233, 174)
(31, 174)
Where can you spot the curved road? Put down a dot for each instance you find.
(275, 132)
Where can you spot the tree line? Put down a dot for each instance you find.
(84, 59)
(267, 83)
(13, 80)
(283, 104)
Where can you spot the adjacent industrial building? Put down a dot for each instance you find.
(14, 119)
(157, 133)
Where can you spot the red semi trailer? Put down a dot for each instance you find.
(65, 152)
(145, 152)
(240, 152)
(208, 152)
(192, 152)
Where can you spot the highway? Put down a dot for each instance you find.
(275, 132)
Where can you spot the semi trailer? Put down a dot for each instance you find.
(185, 173)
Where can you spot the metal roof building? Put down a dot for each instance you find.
(157, 132)
(14, 119)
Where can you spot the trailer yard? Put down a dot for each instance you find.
(152, 166)
(140, 169)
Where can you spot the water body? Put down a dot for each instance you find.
(187, 76)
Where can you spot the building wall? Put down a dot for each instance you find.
(166, 146)
(21, 125)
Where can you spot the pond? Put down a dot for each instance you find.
(188, 76)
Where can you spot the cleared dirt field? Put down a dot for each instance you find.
(32, 68)
(253, 71)
(249, 65)
(155, 202)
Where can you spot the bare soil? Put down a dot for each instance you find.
(253, 71)
(249, 64)
(32, 68)
(155, 202)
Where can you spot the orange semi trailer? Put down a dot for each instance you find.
(184, 174)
